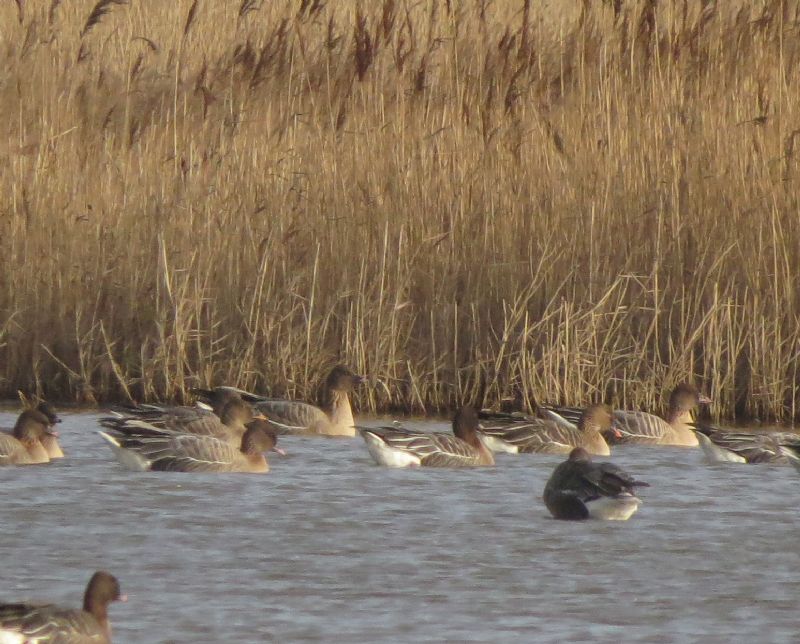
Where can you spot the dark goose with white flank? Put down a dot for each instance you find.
(581, 489)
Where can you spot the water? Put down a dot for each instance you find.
(329, 547)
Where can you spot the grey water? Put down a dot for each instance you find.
(328, 547)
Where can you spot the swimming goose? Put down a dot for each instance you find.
(295, 417)
(581, 489)
(648, 429)
(23, 444)
(229, 426)
(515, 433)
(398, 447)
(50, 439)
(793, 456)
(25, 623)
(175, 452)
(726, 446)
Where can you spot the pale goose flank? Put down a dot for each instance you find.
(648, 429)
(580, 489)
(728, 446)
(22, 445)
(229, 426)
(296, 417)
(174, 452)
(26, 623)
(515, 433)
(397, 447)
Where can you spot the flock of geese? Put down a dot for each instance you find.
(230, 430)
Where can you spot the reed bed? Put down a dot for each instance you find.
(467, 200)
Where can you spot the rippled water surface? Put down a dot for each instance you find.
(329, 547)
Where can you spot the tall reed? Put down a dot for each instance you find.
(470, 201)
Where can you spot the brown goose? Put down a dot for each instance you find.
(517, 434)
(23, 444)
(25, 623)
(729, 446)
(229, 426)
(581, 489)
(295, 417)
(50, 439)
(397, 447)
(174, 452)
(648, 429)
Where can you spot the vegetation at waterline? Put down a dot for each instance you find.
(463, 199)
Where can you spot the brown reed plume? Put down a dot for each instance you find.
(469, 201)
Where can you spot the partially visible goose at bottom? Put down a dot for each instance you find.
(174, 452)
(729, 446)
(644, 428)
(515, 433)
(23, 445)
(301, 418)
(28, 623)
(580, 489)
(398, 447)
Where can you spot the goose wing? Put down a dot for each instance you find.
(752, 447)
(432, 449)
(640, 426)
(530, 434)
(183, 452)
(567, 416)
(195, 421)
(50, 623)
(291, 416)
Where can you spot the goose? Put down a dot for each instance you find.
(229, 426)
(648, 429)
(792, 454)
(170, 451)
(515, 433)
(26, 623)
(726, 446)
(23, 444)
(296, 417)
(398, 447)
(580, 489)
(50, 439)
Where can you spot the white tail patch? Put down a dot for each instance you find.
(716, 454)
(388, 456)
(617, 508)
(497, 445)
(128, 458)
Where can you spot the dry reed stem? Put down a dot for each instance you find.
(468, 204)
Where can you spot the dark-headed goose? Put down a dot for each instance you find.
(23, 444)
(175, 452)
(24, 623)
(728, 446)
(50, 439)
(295, 417)
(515, 434)
(581, 489)
(397, 447)
(648, 429)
